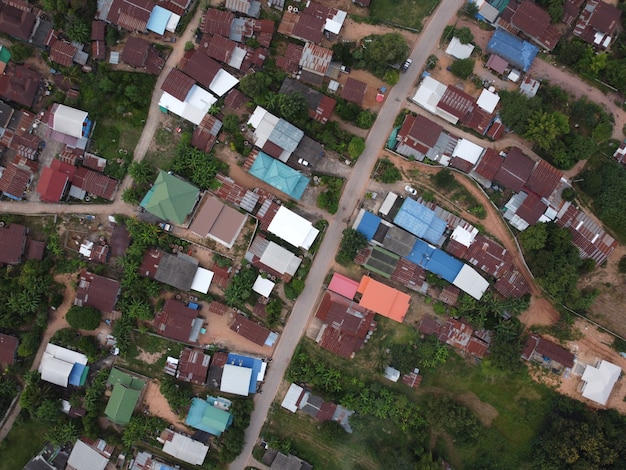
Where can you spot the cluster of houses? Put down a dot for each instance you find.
(535, 186)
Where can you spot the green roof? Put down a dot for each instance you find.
(122, 404)
(117, 377)
(170, 198)
(5, 54)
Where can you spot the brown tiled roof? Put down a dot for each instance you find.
(94, 183)
(326, 412)
(515, 170)
(135, 51)
(35, 249)
(218, 308)
(16, 22)
(250, 330)
(544, 348)
(489, 256)
(497, 63)
(193, 366)
(455, 248)
(200, 67)
(94, 162)
(571, 10)
(354, 91)
(419, 129)
(14, 180)
(544, 179)
(8, 347)
(217, 22)
(12, 243)
(178, 8)
(496, 130)
(97, 291)
(178, 84)
(98, 30)
(455, 102)
(132, 15)
(175, 321)
(290, 60)
(217, 47)
(20, 84)
(535, 22)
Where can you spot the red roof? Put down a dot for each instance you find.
(35, 249)
(489, 164)
(326, 412)
(193, 366)
(489, 256)
(605, 17)
(307, 27)
(217, 22)
(571, 10)
(97, 291)
(200, 67)
(8, 347)
(119, 240)
(15, 21)
(531, 209)
(343, 285)
(98, 30)
(95, 183)
(250, 330)
(412, 380)
(135, 51)
(497, 64)
(354, 91)
(205, 135)
(461, 164)
(235, 99)
(12, 243)
(290, 60)
(419, 129)
(477, 119)
(54, 181)
(175, 321)
(536, 345)
(98, 50)
(496, 130)
(20, 84)
(150, 263)
(455, 102)
(62, 53)
(132, 15)
(455, 248)
(14, 180)
(544, 179)
(534, 21)
(178, 84)
(512, 284)
(515, 170)
(217, 47)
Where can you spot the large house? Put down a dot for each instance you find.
(178, 322)
(171, 198)
(597, 23)
(97, 291)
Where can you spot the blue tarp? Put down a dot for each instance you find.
(369, 224)
(434, 260)
(249, 362)
(276, 173)
(158, 20)
(514, 50)
(421, 221)
(78, 375)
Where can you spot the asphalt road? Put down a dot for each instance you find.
(355, 188)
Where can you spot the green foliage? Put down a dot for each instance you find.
(83, 318)
(444, 414)
(64, 432)
(255, 85)
(293, 107)
(294, 288)
(232, 441)
(332, 430)
(189, 46)
(342, 52)
(387, 172)
(365, 119)
(347, 111)
(427, 353)
(8, 391)
(464, 35)
(273, 309)
(391, 77)
(78, 30)
(142, 428)
(462, 68)
(20, 52)
(239, 290)
(143, 172)
(72, 339)
(505, 351)
(351, 242)
(545, 128)
(568, 194)
(178, 394)
(621, 265)
(197, 166)
(231, 123)
(444, 179)
(384, 50)
(329, 198)
(517, 110)
(49, 412)
(356, 147)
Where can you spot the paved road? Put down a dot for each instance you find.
(354, 191)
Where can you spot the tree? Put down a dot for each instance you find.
(356, 147)
(273, 309)
(142, 172)
(383, 50)
(621, 265)
(545, 128)
(294, 107)
(83, 318)
(140, 428)
(239, 289)
(255, 85)
(365, 119)
(139, 309)
(49, 411)
(65, 432)
(534, 237)
(79, 30)
(351, 242)
(231, 123)
(294, 288)
(444, 178)
(391, 77)
(332, 430)
(462, 68)
(464, 35)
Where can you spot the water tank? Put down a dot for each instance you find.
(289, 8)
(295, 9)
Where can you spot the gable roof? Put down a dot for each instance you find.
(20, 84)
(290, 60)
(14, 181)
(218, 47)
(135, 51)
(12, 243)
(455, 102)
(170, 198)
(419, 129)
(535, 22)
(217, 221)
(132, 15)
(176, 321)
(206, 417)
(95, 183)
(97, 291)
(8, 346)
(599, 381)
(302, 26)
(205, 135)
(515, 170)
(547, 349)
(293, 228)
(544, 179)
(98, 30)
(62, 53)
(122, 403)
(178, 84)
(382, 299)
(343, 285)
(184, 448)
(280, 176)
(178, 271)
(54, 181)
(16, 22)
(200, 67)
(514, 50)
(487, 167)
(85, 457)
(488, 256)
(193, 366)
(315, 59)
(250, 330)
(217, 22)
(354, 91)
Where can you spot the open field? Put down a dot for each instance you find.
(23, 442)
(403, 12)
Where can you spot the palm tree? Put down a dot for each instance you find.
(79, 31)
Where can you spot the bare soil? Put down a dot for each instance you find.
(158, 406)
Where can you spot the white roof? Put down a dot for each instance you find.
(600, 381)
(172, 23)
(490, 13)
(464, 236)
(429, 94)
(237, 57)
(194, 108)
(514, 76)
(468, 151)
(291, 398)
(388, 203)
(69, 121)
(391, 374)
(292, 228)
(488, 100)
(186, 449)
(263, 123)
(335, 23)
(83, 457)
(263, 286)
(202, 280)
(65, 354)
(260, 377)
(459, 50)
(236, 380)
(55, 370)
(257, 116)
(222, 82)
(280, 259)
(85, 248)
(470, 282)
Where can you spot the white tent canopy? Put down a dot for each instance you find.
(57, 364)
(600, 381)
(488, 100)
(186, 449)
(236, 380)
(292, 228)
(69, 121)
(202, 280)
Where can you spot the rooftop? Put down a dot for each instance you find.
(515, 170)
(170, 198)
(383, 299)
(354, 91)
(97, 291)
(178, 322)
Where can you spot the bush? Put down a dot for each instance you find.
(294, 288)
(356, 147)
(444, 179)
(365, 119)
(621, 266)
(83, 318)
(462, 68)
(351, 242)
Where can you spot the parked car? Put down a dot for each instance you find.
(303, 162)
(406, 65)
(166, 227)
(411, 190)
(345, 69)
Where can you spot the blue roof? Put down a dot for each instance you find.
(421, 221)
(250, 363)
(435, 260)
(514, 50)
(78, 375)
(368, 225)
(158, 20)
(277, 174)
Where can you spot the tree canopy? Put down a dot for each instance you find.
(83, 318)
(351, 243)
(462, 68)
(381, 51)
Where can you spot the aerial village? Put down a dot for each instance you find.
(252, 234)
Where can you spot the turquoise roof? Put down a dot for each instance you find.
(277, 174)
(205, 417)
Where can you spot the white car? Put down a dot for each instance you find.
(303, 162)
(411, 190)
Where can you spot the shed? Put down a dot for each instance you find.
(292, 398)
(8, 347)
(202, 280)
(488, 100)
(497, 64)
(263, 286)
(459, 50)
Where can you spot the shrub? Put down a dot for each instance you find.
(356, 147)
(462, 68)
(444, 179)
(351, 242)
(365, 119)
(83, 318)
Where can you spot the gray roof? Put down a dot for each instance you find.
(83, 457)
(286, 136)
(399, 241)
(38, 463)
(177, 271)
(309, 149)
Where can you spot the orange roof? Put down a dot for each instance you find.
(382, 299)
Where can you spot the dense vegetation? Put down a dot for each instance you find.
(351, 242)
(386, 172)
(563, 132)
(329, 198)
(83, 318)
(605, 182)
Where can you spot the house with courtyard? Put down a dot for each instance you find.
(127, 390)
(97, 291)
(171, 198)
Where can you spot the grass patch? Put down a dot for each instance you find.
(23, 442)
(405, 13)
(149, 344)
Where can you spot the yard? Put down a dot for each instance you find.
(407, 13)
(23, 442)
(147, 354)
